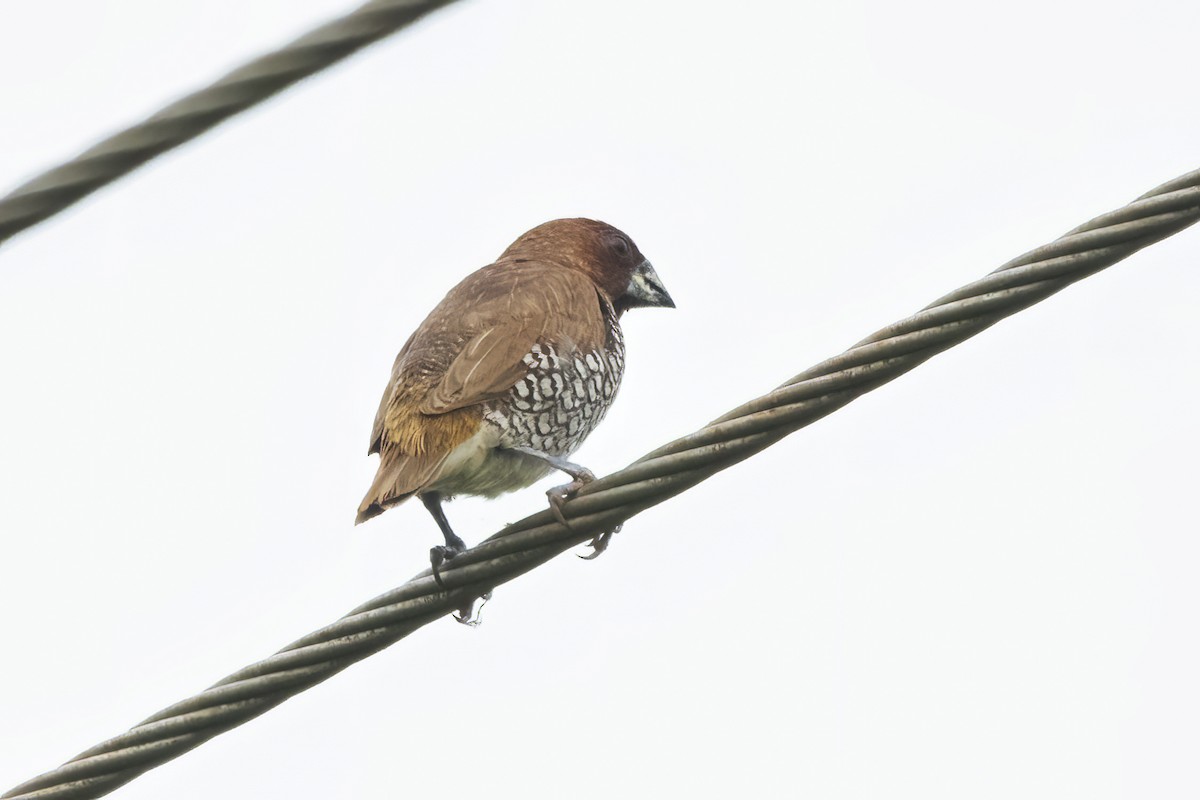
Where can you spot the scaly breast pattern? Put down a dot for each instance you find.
(562, 397)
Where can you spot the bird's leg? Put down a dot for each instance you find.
(454, 545)
(560, 494)
(471, 616)
(600, 543)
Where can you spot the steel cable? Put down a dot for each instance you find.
(615, 498)
(55, 190)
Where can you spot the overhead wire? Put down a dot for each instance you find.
(186, 118)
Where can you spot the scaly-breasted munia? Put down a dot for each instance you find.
(510, 373)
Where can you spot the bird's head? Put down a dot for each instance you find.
(600, 251)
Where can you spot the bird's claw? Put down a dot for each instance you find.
(469, 615)
(440, 555)
(561, 494)
(601, 542)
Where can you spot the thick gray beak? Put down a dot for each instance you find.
(646, 289)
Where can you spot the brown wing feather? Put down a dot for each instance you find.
(528, 303)
(388, 395)
(467, 351)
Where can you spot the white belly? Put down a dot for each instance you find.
(479, 467)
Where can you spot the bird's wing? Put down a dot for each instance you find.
(389, 397)
(541, 304)
(471, 348)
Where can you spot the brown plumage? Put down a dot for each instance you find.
(511, 371)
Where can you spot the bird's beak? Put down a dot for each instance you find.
(646, 289)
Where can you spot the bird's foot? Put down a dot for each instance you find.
(601, 542)
(471, 616)
(561, 494)
(441, 554)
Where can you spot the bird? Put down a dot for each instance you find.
(509, 374)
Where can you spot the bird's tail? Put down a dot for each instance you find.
(399, 478)
(369, 510)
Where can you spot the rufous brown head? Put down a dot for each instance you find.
(600, 251)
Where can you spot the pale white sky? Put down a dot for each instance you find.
(977, 582)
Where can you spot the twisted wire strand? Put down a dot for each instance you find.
(611, 500)
(55, 190)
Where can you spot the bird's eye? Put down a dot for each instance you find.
(620, 246)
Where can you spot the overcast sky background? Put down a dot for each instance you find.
(979, 581)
